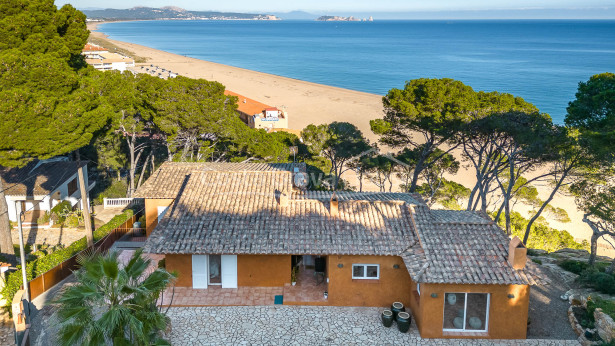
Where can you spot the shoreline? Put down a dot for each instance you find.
(306, 102)
(312, 103)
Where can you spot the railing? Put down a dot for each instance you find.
(47, 280)
(121, 202)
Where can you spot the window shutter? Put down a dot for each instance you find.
(229, 271)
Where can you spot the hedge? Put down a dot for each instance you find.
(46, 263)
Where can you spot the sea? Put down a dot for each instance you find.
(540, 60)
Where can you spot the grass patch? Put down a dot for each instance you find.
(536, 260)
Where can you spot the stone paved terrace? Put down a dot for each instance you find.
(303, 325)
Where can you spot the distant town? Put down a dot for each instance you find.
(170, 13)
(343, 19)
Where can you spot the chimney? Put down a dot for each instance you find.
(517, 253)
(283, 199)
(334, 205)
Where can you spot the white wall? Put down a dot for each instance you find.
(46, 202)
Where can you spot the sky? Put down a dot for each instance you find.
(345, 6)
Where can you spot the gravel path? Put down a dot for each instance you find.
(548, 313)
(303, 325)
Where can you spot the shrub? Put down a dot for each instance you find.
(72, 221)
(604, 283)
(579, 267)
(45, 263)
(601, 282)
(43, 219)
(109, 188)
(58, 213)
(572, 266)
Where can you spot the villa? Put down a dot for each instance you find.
(101, 59)
(224, 226)
(41, 185)
(258, 115)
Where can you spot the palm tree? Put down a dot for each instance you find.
(113, 304)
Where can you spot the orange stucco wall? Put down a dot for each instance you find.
(151, 212)
(507, 316)
(263, 270)
(182, 265)
(392, 286)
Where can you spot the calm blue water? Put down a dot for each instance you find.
(541, 61)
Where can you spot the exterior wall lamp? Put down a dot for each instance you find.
(434, 295)
(339, 265)
(395, 266)
(511, 296)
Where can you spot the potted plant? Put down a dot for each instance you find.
(293, 276)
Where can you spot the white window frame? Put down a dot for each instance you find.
(465, 311)
(365, 271)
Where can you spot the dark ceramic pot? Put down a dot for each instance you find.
(387, 318)
(403, 322)
(396, 308)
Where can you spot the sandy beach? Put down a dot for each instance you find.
(310, 103)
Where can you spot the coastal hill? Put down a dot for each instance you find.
(343, 19)
(170, 12)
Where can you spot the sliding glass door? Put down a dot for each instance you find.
(466, 312)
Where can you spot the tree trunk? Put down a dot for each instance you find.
(471, 198)
(145, 163)
(593, 249)
(417, 172)
(6, 241)
(543, 206)
(360, 180)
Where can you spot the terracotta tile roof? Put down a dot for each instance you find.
(250, 106)
(169, 177)
(31, 180)
(221, 210)
(461, 247)
(93, 48)
(244, 217)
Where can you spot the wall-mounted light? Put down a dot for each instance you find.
(434, 295)
(395, 266)
(511, 296)
(340, 265)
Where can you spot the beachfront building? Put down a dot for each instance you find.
(101, 59)
(229, 226)
(41, 185)
(258, 115)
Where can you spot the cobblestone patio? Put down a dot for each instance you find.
(303, 325)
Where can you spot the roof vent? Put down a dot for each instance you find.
(334, 205)
(517, 253)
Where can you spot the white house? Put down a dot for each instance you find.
(41, 185)
(101, 59)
